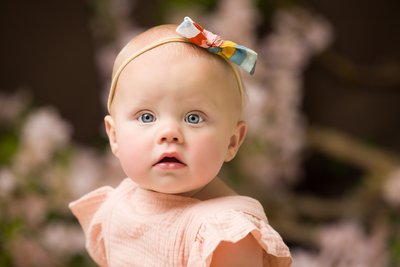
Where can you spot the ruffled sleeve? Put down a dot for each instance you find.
(232, 226)
(87, 211)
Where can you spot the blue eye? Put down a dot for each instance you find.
(193, 118)
(147, 118)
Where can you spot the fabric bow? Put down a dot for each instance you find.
(240, 55)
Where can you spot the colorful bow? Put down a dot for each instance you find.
(240, 55)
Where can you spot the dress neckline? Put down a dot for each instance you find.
(148, 201)
(151, 202)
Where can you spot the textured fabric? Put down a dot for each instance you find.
(129, 226)
(240, 55)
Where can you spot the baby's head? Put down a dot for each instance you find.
(175, 112)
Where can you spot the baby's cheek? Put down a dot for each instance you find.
(210, 154)
(132, 155)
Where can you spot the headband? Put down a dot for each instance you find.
(240, 55)
(230, 51)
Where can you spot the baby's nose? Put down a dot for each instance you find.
(170, 134)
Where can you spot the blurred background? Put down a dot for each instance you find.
(323, 148)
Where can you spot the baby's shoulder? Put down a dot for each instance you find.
(224, 214)
(232, 219)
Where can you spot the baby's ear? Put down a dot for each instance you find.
(112, 135)
(236, 140)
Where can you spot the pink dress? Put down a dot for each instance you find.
(129, 226)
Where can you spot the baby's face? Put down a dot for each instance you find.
(175, 120)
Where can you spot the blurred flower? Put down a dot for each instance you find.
(283, 56)
(112, 27)
(11, 106)
(261, 168)
(7, 182)
(43, 133)
(313, 29)
(31, 208)
(85, 172)
(235, 20)
(112, 171)
(254, 108)
(302, 258)
(36, 187)
(28, 252)
(283, 51)
(345, 245)
(391, 188)
(63, 240)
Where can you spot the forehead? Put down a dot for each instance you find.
(185, 53)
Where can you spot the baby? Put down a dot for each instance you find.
(174, 119)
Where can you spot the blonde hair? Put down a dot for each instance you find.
(149, 40)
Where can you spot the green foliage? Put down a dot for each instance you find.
(8, 146)
(394, 240)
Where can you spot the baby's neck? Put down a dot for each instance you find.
(216, 188)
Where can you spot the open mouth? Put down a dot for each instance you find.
(170, 160)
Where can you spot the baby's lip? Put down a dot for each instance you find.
(170, 157)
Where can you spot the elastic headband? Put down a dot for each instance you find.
(151, 46)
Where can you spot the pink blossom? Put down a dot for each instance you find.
(11, 106)
(31, 208)
(235, 20)
(63, 240)
(29, 252)
(85, 172)
(43, 133)
(346, 245)
(283, 56)
(8, 182)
